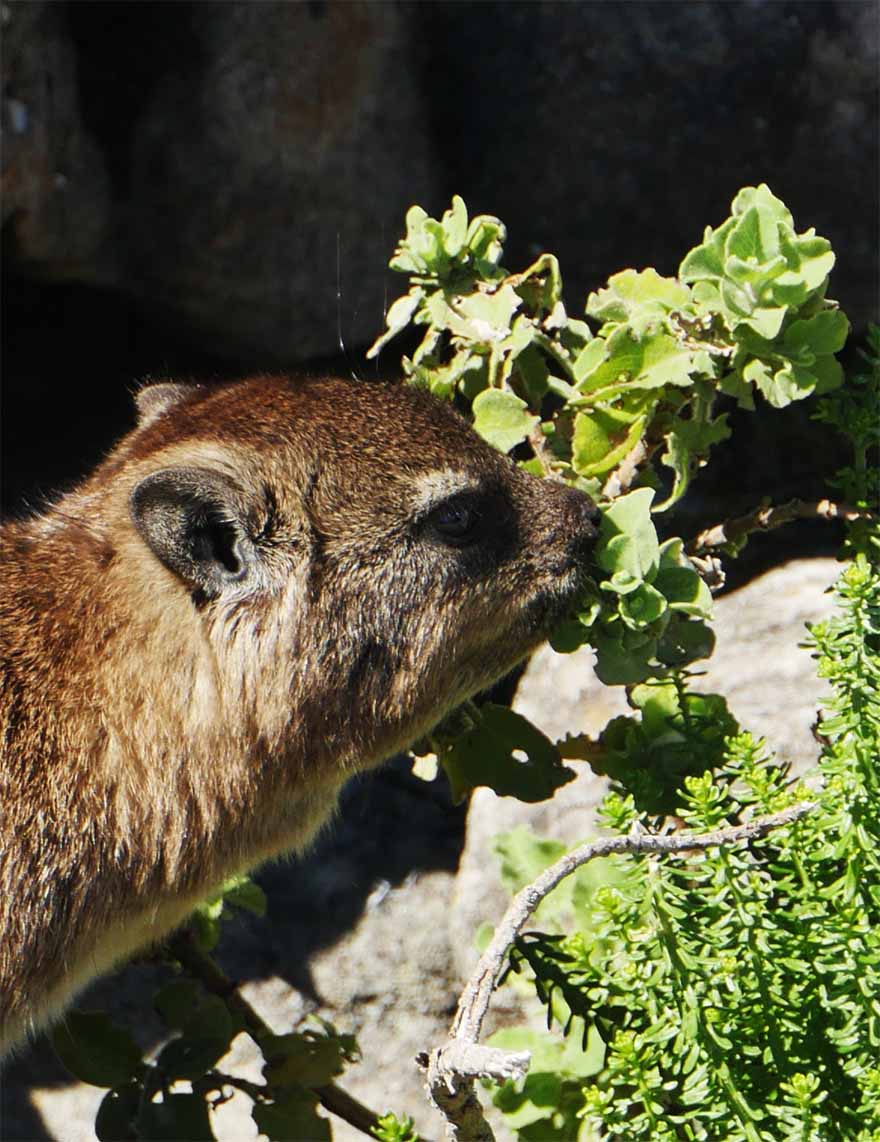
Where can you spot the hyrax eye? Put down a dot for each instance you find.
(455, 522)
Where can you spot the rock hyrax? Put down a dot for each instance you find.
(266, 587)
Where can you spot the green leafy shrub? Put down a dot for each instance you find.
(732, 993)
(737, 992)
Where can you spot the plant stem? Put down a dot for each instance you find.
(765, 518)
(186, 950)
(453, 1067)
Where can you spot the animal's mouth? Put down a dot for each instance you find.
(557, 597)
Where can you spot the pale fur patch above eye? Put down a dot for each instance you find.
(432, 488)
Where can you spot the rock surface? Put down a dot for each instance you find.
(56, 191)
(246, 168)
(374, 930)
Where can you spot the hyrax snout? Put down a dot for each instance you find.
(264, 588)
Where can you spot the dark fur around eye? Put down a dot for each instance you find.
(456, 521)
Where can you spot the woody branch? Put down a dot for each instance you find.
(453, 1067)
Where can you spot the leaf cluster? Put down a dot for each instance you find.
(736, 992)
(853, 411)
(173, 1094)
(641, 371)
(648, 612)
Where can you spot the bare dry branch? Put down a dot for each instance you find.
(621, 478)
(766, 517)
(544, 454)
(452, 1068)
(711, 570)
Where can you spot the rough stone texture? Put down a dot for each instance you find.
(374, 930)
(276, 172)
(611, 133)
(238, 153)
(56, 202)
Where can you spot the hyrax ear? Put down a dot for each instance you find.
(157, 398)
(194, 521)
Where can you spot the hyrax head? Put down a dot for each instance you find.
(354, 550)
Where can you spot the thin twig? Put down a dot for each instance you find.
(543, 454)
(214, 1080)
(766, 517)
(451, 1068)
(184, 948)
(620, 480)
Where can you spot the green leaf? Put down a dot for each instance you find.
(443, 381)
(306, 1058)
(638, 552)
(828, 373)
(641, 607)
(569, 636)
(397, 318)
(684, 641)
(244, 893)
(485, 239)
(687, 444)
(789, 289)
(621, 550)
(540, 287)
(455, 227)
(754, 239)
(177, 1002)
(96, 1051)
(589, 359)
(651, 362)
(619, 664)
(502, 419)
(479, 317)
(603, 437)
(761, 196)
(659, 703)
(765, 320)
(753, 272)
(212, 1020)
(780, 387)
(176, 1117)
(532, 367)
(292, 1117)
(422, 250)
(640, 298)
(485, 755)
(207, 1024)
(684, 591)
(824, 333)
(810, 258)
(706, 261)
(117, 1113)
(390, 1128)
(191, 1057)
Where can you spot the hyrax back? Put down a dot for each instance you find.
(265, 587)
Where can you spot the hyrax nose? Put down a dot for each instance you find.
(580, 515)
(574, 523)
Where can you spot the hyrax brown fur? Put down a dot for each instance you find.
(266, 587)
